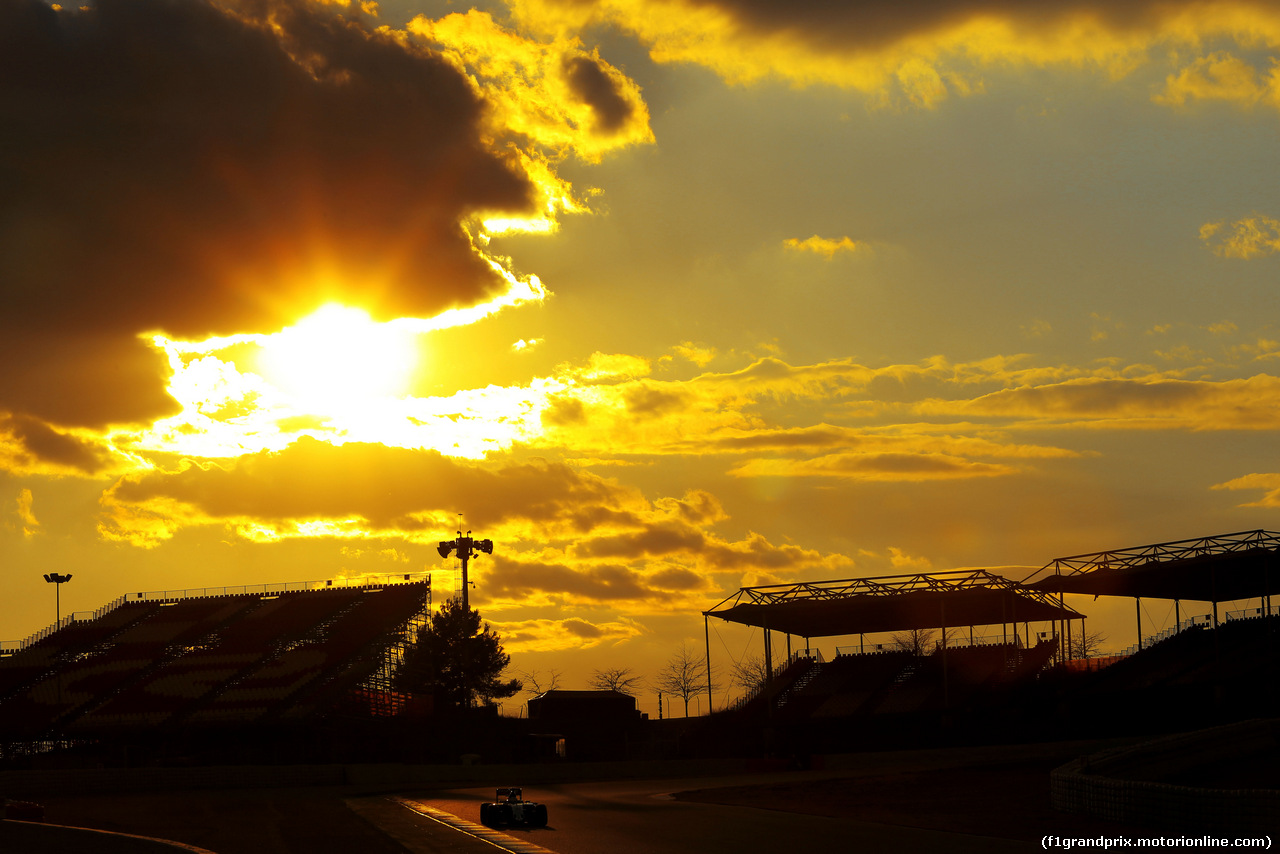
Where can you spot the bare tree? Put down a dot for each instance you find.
(922, 641)
(621, 679)
(1085, 644)
(539, 683)
(685, 676)
(752, 674)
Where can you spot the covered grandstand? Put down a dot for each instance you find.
(1221, 568)
(1214, 666)
(877, 683)
(1018, 678)
(206, 659)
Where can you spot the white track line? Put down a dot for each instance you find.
(479, 831)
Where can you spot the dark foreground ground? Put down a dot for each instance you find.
(1007, 798)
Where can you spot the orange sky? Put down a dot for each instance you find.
(666, 297)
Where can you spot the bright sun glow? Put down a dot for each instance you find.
(337, 376)
(338, 358)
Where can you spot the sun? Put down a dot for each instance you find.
(338, 358)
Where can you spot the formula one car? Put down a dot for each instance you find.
(510, 808)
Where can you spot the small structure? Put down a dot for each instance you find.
(591, 725)
(610, 707)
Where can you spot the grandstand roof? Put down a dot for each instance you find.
(1220, 568)
(889, 603)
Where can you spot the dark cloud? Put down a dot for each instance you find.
(819, 436)
(677, 578)
(47, 445)
(589, 82)
(658, 540)
(650, 401)
(582, 629)
(836, 24)
(1239, 404)
(314, 480)
(679, 540)
(72, 378)
(563, 411)
(188, 168)
(519, 578)
(516, 578)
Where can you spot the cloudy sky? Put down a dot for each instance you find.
(666, 297)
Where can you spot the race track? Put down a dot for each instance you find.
(641, 817)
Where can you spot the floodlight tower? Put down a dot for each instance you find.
(57, 581)
(466, 549)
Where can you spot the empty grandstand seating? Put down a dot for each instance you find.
(897, 682)
(847, 682)
(233, 658)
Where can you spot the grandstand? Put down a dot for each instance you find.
(1198, 668)
(874, 686)
(204, 659)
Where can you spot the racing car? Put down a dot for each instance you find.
(510, 808)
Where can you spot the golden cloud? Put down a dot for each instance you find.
(824, 246)
(874, 467)
(192, 171)
(31, 446)
(547, 635)
(1221, 76)
(917, 54)
(514, 581)
(1149, 403)
(1248, 237)
(725, 413)
(555, 93)
(312, 488)
(698, 354)
(1269, 483)
(26, 514)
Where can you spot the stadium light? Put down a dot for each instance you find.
(466, 548)
(57, 581)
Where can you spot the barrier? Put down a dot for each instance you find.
(1097, 784)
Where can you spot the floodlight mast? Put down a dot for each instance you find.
(466, 548)
(57, 581)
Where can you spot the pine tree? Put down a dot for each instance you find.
(456, 661)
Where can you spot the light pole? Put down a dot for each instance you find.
(466, 549)
(57, 581)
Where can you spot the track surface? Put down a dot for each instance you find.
(641, 817)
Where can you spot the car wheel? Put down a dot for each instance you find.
(540, 816)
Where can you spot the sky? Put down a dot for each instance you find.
(665, 297)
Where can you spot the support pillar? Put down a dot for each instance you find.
(946, 676)
(706, 637)
(768, 655)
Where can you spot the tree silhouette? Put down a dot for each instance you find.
(455, 660)
(536, 683)
(620, 679)
(922, 642)
(685, 676)
(1085, 644)
(752, 674)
